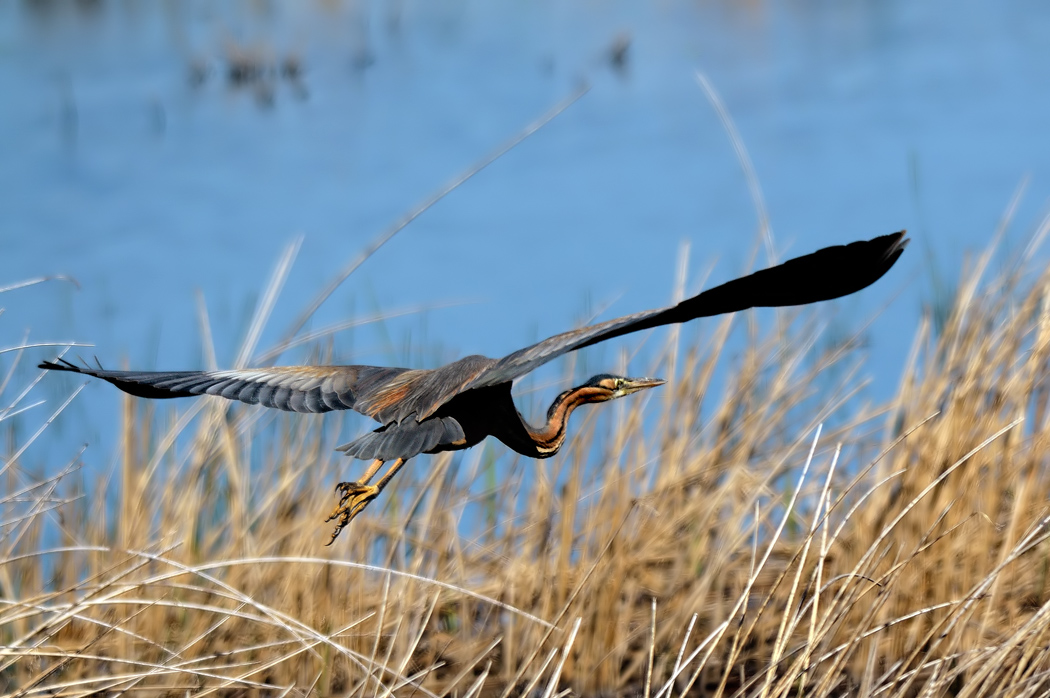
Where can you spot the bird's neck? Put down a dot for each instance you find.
(545, 441)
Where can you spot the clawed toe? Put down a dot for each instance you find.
(354, 497)
(343, 488)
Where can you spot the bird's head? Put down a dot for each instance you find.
(600, 388)
(608, 387)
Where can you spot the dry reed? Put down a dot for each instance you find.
(682, 545)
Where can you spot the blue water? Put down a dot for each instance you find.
(131, 162)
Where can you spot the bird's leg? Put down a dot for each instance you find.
(373, 468)
(390, 473)
(355, 496)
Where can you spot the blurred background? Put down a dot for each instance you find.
(151, 149)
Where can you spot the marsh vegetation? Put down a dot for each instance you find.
(706, 541)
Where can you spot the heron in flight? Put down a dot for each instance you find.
(458, 405)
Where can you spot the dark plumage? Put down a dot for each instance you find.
(459, 404)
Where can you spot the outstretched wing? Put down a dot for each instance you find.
(825, 274)
(389, 395)
(365, 389)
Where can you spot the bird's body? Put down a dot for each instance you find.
(458, 405)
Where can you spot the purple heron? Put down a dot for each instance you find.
(458, 405)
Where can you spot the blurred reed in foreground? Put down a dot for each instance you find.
(718, 546)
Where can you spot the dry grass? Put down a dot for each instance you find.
(688, 544)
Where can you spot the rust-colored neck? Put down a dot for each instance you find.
(545, 441)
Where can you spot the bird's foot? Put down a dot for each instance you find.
(353, 498)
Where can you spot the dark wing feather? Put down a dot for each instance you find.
(292, 388)
(407, 439)
(825, 274)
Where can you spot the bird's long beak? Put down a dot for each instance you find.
(633, 385)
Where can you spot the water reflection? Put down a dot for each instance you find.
(53, 11)
(253, 68)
